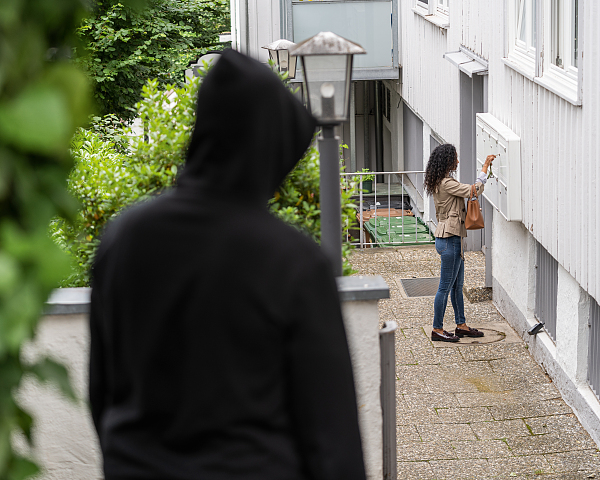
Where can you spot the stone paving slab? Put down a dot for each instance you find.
(481, 449)
(452, 431)
(500, 430)
(472, 411)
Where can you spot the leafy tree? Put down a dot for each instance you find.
(43, 99)
(127, 46)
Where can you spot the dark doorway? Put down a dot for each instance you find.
(473, 100)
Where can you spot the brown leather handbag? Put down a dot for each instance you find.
(474, 220)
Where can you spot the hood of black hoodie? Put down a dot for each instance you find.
(250, 132)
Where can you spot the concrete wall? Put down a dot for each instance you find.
(65, 441)
(361, 321)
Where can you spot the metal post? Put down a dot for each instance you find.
(387, 349)
(353, 127)
(378, 132)
(366, 127)
(331, 210)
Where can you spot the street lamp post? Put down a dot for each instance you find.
(279, 52)
(327, 65)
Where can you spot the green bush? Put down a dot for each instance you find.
(106, 178)
(297, 202)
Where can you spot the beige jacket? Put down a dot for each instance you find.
(450, 208)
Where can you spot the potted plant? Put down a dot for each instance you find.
(367, 180)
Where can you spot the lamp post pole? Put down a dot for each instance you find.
(327, 64)
(331, 214)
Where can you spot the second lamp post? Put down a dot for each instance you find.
(327, 68)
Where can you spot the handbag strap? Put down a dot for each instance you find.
(473, 193)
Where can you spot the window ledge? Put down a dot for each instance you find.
(528, 71)
(564, 88)
(437, 19)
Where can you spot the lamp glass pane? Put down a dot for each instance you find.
(273, 56)
(292, 68)
(326, 79)
(283, 61)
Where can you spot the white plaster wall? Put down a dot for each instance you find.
(65, 442)
(361, 321)
(572, 331)
(513, 262)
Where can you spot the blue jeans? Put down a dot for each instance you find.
(452, 277)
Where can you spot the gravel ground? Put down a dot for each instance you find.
(471, 411)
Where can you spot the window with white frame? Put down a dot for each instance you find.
(443, 6)
(433, 7)
(543, 44)
(564, 36)
(526, 27)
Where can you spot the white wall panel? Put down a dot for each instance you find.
(560, 172)
(254, 24)
(430, 83)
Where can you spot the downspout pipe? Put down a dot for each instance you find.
(378, 131)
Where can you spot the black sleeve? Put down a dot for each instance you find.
(97, 380)
(322, 386)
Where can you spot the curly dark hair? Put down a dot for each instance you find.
(442, 161)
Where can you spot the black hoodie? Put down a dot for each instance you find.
(217, 345)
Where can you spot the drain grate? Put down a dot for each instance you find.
(420, 287)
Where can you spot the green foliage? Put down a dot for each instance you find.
(104, 180)
(369, 176)
(111, 129)
(297, 202)
(43, 99)
(127, 46)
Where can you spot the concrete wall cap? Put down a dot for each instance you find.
(65, 301)
(362, 288)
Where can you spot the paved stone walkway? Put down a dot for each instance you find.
(477, 411)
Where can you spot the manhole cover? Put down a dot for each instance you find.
(493, 333)
(420, 287)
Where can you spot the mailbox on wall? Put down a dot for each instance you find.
(503, 189)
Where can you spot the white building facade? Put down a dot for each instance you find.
(533, 65)
(540, 77)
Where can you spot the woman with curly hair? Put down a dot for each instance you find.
(449, 198)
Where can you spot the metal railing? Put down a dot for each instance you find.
(403, 189)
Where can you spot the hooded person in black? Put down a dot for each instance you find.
(217, 345)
